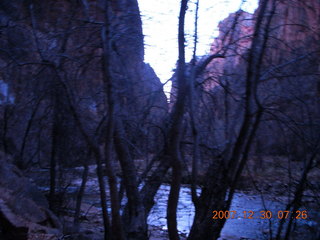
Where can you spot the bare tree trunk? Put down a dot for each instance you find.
(296, 202)
(244, 157)
(53, 161)
(5, 129)
(212, 198)
(26, 133)
(76, 220)
(192, 101)
(103, 196)
(154, 181)
(175, 131)
(117, 226)
(134, 216)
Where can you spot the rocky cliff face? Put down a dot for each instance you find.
(234, 41)
(288, 85)
(291, 69)
(47, 42)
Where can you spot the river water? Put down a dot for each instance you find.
(238, 227)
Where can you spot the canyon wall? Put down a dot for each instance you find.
(48, 44)
(288, 84)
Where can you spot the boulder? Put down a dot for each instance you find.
(24, 211)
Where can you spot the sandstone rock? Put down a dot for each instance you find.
(288, 80)
(24, 210)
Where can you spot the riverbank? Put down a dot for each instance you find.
(259, 190)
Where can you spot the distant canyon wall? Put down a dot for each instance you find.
(288, 87)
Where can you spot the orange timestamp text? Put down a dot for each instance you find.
(260, 214)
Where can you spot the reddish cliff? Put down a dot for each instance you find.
(288, 85)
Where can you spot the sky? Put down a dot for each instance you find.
(160, 28)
